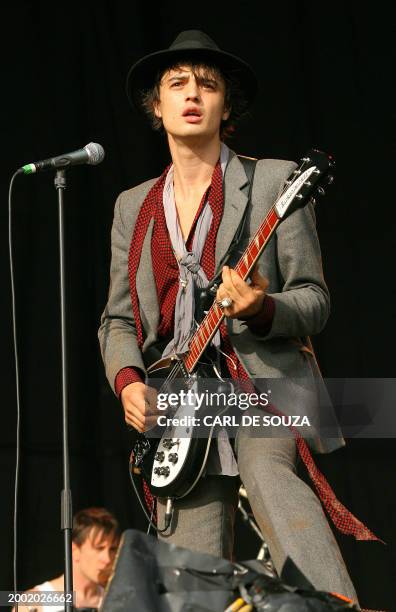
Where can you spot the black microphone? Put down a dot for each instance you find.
(92, 154)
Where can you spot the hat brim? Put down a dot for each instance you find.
(142, 75)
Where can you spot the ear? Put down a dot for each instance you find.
(75, 552)
(157, 110)
(226, 114)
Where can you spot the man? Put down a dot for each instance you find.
(179, 227)
(94, 544)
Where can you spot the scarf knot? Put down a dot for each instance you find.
(190, 262)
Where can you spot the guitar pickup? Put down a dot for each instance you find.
(168, 443)
(162, 471)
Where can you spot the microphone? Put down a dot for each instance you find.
(92, 154)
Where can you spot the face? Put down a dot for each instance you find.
(95, 555)
(191, 105)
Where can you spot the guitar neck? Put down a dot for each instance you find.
(215, 315)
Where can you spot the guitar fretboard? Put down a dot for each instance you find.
(214, 317)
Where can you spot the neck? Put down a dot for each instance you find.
(193, 163)
(83, 586)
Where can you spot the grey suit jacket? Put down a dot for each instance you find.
(280, 360)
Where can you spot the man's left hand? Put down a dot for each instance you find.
(247, 300)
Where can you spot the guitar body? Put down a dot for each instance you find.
(173, 463)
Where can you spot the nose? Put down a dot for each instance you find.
(106, 556)
(192, 90)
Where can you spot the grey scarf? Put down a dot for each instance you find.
(191, 272)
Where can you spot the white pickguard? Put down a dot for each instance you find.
(175, 441)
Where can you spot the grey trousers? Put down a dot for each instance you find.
(287, 511)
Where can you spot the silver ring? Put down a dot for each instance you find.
(225, 302)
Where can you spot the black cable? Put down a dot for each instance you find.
(14, 329)
(168, 517)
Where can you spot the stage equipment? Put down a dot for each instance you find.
(92, 154)
(153, 576)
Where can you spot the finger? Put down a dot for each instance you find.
(130, 420)
(130, 396)
(248, 295)
(228, 311)
(140, 404)
(222, 293)
(151, 396)
(131, 411)
(257, 279)
(228, 284)
(152, 410)
(136, 422)
(151, 422)
(240, 285)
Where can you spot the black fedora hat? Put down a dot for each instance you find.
(192, 44)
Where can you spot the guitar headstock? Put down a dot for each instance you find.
(312, 177)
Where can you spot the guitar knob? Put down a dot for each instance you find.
(160, 456)
(173, 457)
(330, 179)
(321, 191)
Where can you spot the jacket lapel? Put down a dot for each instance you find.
(145, 286)
(235, 202)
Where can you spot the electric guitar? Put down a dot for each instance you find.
(173, 463)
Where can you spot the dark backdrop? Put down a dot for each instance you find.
(325, 72)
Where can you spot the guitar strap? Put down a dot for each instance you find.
(249, 165)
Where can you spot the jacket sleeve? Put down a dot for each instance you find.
(117, 332)
(302, 305)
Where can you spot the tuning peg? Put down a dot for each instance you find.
(321, 191)
(330, 179)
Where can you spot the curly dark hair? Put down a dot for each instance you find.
(234, 99)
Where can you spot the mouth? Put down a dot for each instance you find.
(192, 115)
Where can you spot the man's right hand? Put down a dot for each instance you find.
(140, 406)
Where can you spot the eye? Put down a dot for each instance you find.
(176, 83)
(209, 85)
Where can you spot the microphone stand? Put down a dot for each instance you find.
(66, 498)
